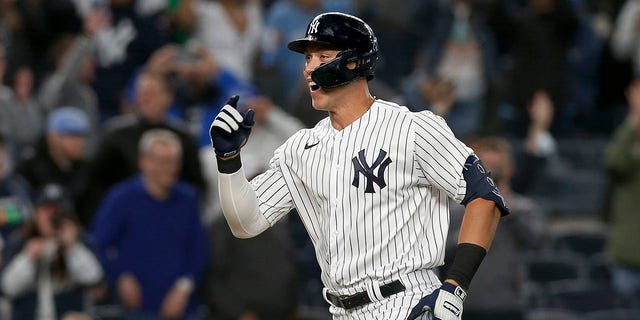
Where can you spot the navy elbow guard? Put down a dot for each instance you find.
(480, 184)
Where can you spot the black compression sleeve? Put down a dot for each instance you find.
(465, 264)
(229, 166)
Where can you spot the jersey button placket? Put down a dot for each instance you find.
(334, 217)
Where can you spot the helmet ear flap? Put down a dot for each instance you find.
(336, 72)
(367, 64)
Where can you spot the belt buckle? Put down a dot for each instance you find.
(341, 300)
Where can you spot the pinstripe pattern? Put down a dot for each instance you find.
(359, 237)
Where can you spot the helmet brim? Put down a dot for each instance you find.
(301, 44)
(298, 45)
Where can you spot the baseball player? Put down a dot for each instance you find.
(370, 183)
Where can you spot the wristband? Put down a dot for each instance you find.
(230, 165)
(465, 264)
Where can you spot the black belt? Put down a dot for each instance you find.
(362, 298)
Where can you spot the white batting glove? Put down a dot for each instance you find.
(444, 303)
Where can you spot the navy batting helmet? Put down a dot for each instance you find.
(350, 34)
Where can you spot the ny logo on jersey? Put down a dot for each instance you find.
(360, 165)
(313, 26)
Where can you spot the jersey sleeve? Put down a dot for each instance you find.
(439, 154)
(274, 199)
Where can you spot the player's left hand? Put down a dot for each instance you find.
(444, 303)
(230, 129)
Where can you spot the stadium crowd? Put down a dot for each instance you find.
(108, 200)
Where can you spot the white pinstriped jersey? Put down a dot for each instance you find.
(373, 196)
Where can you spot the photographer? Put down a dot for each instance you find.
(47, 265)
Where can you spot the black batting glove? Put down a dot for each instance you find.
(230, 129)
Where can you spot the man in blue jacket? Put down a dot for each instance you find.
(149, 236)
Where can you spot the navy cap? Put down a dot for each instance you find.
(53, 194)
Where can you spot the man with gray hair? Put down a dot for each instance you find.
(153, 219)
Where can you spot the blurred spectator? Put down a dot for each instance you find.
(284, 22)
(539, 141)
(182, 19)
(457, 65)
(602, 14)
(435, 94)
(540, 170)
(237, 284)
(200, 85)
(122, 47)
(399, 29)
(620, 64)
(7, 9)
(117, 155)
(625, 40)
(14, 48)
(622, 161)
(524, 230)
(21, 118)
(48, 267)
(231, 29)
(35, 27)
(70, 82)
(149, 236)
(59, 155)
(253, 278)
(585, 59)
(15, 202)
(615, 73)
(539, 36)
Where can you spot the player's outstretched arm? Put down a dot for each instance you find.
(229, 132)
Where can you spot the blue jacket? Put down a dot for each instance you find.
(157, 241)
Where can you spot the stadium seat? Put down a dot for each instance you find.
(599, 269)
(582, 296)
(585, 242)
(613, 314)
(550, 314)
(541, 268)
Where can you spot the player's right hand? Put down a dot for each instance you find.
(230, 129)
(444, 303)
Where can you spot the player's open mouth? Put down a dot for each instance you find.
(313, 86)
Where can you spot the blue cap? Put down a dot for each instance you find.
(68, 120)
